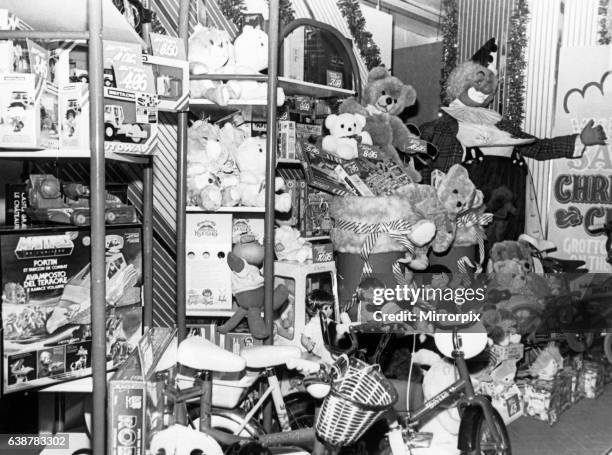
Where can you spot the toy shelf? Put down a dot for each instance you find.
(236, 209)
(42, 16)
(317, 238)
(76, 153)
(210, 313)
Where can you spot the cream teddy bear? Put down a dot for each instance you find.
(345, 135)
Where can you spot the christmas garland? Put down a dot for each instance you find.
(232, 10)
(449, 31)
(368, 49)
(604, 23)
(516, 65)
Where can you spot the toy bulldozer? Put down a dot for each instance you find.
(50, 201)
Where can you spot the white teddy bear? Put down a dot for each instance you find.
(345, 135)
(251, 161)
(290, 246)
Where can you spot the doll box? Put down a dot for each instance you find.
(19, 118)
(509, 403)
(208, 280)
(547, 399)
(592, 379)
(171, 82)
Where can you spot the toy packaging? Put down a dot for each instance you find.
(209, 240)
(171, 81)
(46, 302)
(18, 119)
(592, 379)
(509, 403)
(16, 205)
(237, 341)
(547, 399)
(130, 119)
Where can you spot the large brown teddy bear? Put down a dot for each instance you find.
(384, 98)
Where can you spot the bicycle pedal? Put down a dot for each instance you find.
(418, 440)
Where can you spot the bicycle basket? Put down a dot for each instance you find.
(359, 395)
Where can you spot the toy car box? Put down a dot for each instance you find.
(130, 119)
(45, 311)
(209, 285)
(171, 82)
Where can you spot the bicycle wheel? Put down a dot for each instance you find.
(301, 410)
(607, 344)
(485, 443)
(227, 420)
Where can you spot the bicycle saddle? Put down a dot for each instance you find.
(269, 356)
(540, 245)
(202, 355)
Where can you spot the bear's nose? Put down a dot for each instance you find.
(459, 204)
(388, 100)
(350, 129)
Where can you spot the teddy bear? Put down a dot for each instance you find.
(449, 196)
(290, 246)
(250, 157)
(345, 134)
(210, 49)
(248, 291)
(384, 98)
(181, 440)
(500, 204)
(501, 326)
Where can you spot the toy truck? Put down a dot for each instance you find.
(114, 126)
(50, 201)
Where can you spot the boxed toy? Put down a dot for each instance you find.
(509, 403)
(16, 205)
(592, 379)
(546, 400)
(171, 81)
(237, 341)
(510, 351)
(46, 304)
(286, 140)
(252, 226)
(209, 285)
(130, 119)
(13, 53)
(18, 119)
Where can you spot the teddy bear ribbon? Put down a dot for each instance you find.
(397, 229)
(468, 220)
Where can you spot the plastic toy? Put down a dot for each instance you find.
(50, 201)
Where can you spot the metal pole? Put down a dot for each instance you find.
(147, 243)
(146, 26)
(98, 285)
(33, 34)
(273, 37)
(181, 197)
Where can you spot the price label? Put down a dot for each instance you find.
(334, 79)
(135, 78)
(39, 61)
(117, 53)
(168, 47)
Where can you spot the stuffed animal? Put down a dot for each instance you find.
(384, 98)
(501, 326)
(181, 440)
(500, 204)
(248, 291)
(210, 50)
(449, 196)
(345, 133)
(444, 425)
(290, 246)
(251, 161)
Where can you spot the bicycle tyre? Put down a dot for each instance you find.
(607, 345)
(482, 431)
(227, 420)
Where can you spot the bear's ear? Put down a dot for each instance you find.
(478, 199)
(409, 94)
(361, 120)
(330, 121)
(379, 72)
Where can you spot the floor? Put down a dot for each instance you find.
(584, 429)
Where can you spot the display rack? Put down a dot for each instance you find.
(91, 21)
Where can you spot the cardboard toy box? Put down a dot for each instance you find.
(592, 379)
(171, 82)
(547, 399)
(28, 118)
(46, 306)
(209, 285)
(237, 341)
(130, 119)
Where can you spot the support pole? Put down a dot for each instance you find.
(181, 197)
(147, 242)
(273, 37)
(98, 234)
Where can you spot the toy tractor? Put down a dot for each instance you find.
(50, 201)
(114, 126)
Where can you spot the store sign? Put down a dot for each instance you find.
(581, 189)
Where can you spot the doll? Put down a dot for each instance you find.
(317, 302)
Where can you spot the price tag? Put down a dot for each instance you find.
(145, 353)
(116, 53)
(335, 79)
(39, 62)
(168, 47)
(134, 77)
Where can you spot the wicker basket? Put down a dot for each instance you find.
(359, 395)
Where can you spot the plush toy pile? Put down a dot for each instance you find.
(225, 168)
(212, 52)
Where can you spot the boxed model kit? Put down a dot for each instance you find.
(46, 306)
(171, 81)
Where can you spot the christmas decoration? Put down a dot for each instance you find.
(287, 13)
(515, 67)
(604, 23)
(232, 10)
(449, 43)
(356, 23)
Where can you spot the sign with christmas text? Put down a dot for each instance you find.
(581, 189)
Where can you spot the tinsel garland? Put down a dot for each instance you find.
(368, 49)
(449, 30)
(604, 23)
(514, 109)
(232, 10)
(287, 13)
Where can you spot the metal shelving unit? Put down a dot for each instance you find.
(91, 21)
